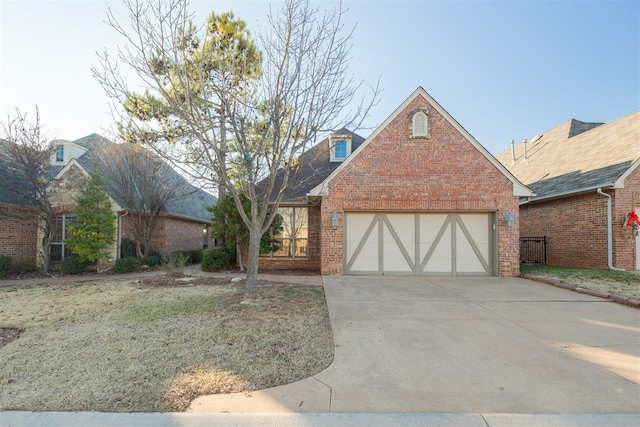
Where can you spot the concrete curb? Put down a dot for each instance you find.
(633, 302)
(78, 419)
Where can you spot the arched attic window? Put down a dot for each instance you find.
(419, 125)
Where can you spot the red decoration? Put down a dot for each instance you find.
(630, 218)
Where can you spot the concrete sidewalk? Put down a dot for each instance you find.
(463, 345)
(84, 419)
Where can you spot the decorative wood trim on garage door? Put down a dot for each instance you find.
(419, 243)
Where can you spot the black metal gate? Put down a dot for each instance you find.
(533, 250)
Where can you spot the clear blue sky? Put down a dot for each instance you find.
(503, 69)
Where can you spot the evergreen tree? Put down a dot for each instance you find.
(94, 229)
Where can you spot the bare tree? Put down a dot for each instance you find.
(234, 120)
(26, 172)
(145, 183)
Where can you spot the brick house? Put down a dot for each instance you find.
(419, 196)
(587, 186)
(183, 225)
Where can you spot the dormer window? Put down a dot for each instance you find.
(60, 154)
(340, 148)
(419, 125)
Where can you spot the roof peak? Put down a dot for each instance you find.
(576, 127)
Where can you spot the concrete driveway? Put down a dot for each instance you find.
(464, 345)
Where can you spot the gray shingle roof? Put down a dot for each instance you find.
(576, 156)
(190, 203)
(7, 193)
(315, 167)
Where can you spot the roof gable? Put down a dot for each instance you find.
(518, 188)
(574, 156)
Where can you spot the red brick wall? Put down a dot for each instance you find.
(624, 241)
(311, 262)
(18, 234)
(171, 234)
(576, 227)
(443, 172)
(182, 235)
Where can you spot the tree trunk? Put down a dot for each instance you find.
(252, 262)
(239, 253)
(46, 248)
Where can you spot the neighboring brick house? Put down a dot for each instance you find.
(586, 184)
(17, 221)
(419, 196)
(183, 225)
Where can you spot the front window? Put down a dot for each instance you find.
(289, 237)
(205, 237)
(340, 148)
(62, 223)
(60, 154)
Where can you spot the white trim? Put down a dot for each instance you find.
(73, 162)
(66, 168)
(420, 118)
(619, 183)
(519, 189)
(333, 140)
(71, 151)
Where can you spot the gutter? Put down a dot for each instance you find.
(609, 231)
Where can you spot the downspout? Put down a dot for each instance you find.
(119, 245)
(609, 232)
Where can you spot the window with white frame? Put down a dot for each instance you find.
(59, 155)
(290, 237)
(419, 124)
(61, 232)
(340, 148)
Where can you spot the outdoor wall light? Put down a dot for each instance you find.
(509, 219)
(334, 220)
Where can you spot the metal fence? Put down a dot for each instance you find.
(533, 250)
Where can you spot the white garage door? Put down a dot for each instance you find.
(418, 243)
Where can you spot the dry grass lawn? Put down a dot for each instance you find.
(154, 344)
(622, 283)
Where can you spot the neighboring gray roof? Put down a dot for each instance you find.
(7, 195)
(315, 167)
(576, 156)
(191, 203)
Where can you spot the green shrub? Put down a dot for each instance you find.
(153, 259)
(176, 262)
(196, 256)
(218, 258)
(24, 267)
(193, 256)
(126, 265)
(127, 248)
(6, 265)
(71, 265)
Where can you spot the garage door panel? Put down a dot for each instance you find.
(467, 260)
(472, 244)
(439, 260)
(420, 243)
(366, 254)
(478, 227)
(358, 225)
(396, 257)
